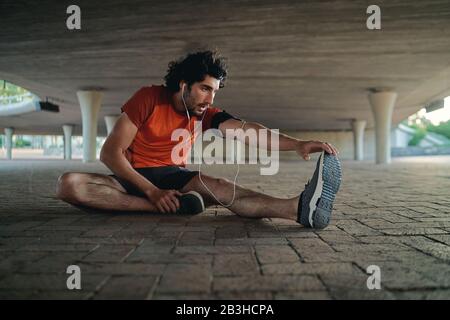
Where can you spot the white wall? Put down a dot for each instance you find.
(399, 138)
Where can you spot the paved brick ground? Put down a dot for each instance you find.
(396, 217)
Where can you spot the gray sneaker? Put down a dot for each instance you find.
(316, 201)
(190, 203)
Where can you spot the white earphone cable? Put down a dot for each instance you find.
(201, 160)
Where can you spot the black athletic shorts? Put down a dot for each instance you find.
(168, 177)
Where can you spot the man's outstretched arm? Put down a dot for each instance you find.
(286, 143)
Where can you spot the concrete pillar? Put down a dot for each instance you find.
(382, 104)
(68, 128)
(110, 122)
(358, 138)
(8, 143)
(90, 103)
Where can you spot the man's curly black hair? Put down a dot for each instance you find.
(194, 67)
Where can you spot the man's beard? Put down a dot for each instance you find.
(191, 110)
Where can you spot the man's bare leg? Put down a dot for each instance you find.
(247, 203)
(100, 192)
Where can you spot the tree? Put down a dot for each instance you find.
(442, 128)
(417, 137)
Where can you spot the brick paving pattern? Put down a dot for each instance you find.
(396, 217)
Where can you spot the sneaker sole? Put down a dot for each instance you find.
(327, 179)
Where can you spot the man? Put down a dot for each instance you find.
(146, 178)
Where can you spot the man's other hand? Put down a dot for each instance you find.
(165, 200)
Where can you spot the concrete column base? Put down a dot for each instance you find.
(68, 128)
(382, 104)
(358, 138)
(90, 103)
(8, 143)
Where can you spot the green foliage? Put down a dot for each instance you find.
(9, 89)
(443, 128)
(418, 135)
(423, 126)
(10, 93)
(21, 143)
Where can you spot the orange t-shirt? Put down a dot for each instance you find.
(152, 111)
